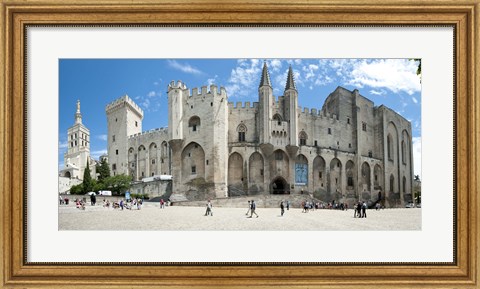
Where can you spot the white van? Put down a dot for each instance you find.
(105, 193)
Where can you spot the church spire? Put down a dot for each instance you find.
(290, 81)
(78, 115)
(265, 76)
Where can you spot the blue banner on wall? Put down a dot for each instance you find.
(301, 174)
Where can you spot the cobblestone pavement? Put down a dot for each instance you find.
(152, 218)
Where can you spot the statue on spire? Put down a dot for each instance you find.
(78, 115)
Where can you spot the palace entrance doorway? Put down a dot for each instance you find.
(279, 186)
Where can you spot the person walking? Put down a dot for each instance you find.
(253, 206)
(282, 208)
(249, 208)
(364, 209)
(288, 205)
(162, 204)
(209, 209)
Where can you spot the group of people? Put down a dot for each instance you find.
(360, 210)
(134, 203)
(63, 201)
(163, 203)
(123, 204)
(80, 204)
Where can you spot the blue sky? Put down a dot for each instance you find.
(97, 82)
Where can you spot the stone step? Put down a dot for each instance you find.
(262, 201)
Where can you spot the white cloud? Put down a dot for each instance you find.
(151, 94)
(63, 145)
(150, 102)
(102, 137)
(378, 92)
(380, 76)
(213, 80)
(244, 79)
(97, 154)
(417, 156)
(145, 103)
(414, 99)
(396, 75)
(310, 71)
(187, 68)
(275, 65)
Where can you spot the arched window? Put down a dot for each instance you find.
(194, 123)
(277, 118)
(404, 158)
(390, 147)
(302, 138)
(404, 184)
(241, 129)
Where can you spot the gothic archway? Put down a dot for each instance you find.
(279, 186)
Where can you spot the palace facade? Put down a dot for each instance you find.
(348, 150)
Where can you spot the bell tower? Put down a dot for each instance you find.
(78, 152)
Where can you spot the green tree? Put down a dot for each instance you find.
(118, 184)
(88, 183)
(76, 189)
(98, 186)
(103, 170)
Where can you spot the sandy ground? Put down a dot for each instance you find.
(152, 218)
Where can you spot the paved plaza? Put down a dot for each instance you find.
(152, 218)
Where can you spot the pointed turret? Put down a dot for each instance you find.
(265, 81)
(265, 106)
(291, 107)
(290, 81)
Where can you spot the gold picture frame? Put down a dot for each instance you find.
(16, 15)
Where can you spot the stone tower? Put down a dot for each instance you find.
(198, 132)
(78, 153)
(124, 119)
(266, 104)
(291, 106)
(177, 95)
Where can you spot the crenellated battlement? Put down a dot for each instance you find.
(176, 85)
(311, 111)
(242, 105)
(212, 90)
(156, 131)
(120, 102)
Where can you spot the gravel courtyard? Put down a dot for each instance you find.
(152, 218)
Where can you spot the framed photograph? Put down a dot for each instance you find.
(135, 137)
